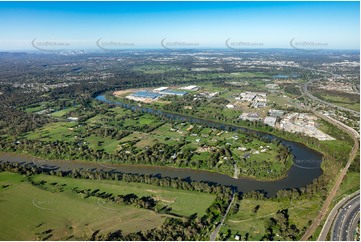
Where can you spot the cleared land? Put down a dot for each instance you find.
(39, 212)
(54, 131)
(28, 212)
(178, 200)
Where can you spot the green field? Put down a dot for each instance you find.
(350, 184)
(179, 200)
(29, 213)
(62, 112)
(341, 101)
(108, 144)
(34, 109)
(280, 101)
(54, 131)
(42, 212)
(255, 223)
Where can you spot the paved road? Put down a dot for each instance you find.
(342, 228)
(216, 231)
(307, 93)
(316, 222)
(331, 217)
(352, 229)
(325, 207)
(305, 89)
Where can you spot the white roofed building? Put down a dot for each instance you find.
(191, 88)
(159, 89)
(271, 121)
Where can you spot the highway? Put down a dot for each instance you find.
(355, 135)
(334, 212)
(345, 222)
(325, 207)
(307, 93)
(352, 228)
(305, 90)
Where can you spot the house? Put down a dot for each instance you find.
(230, 106)
(73, 119)
(190, 127)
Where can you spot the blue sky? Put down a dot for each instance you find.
(203, 24)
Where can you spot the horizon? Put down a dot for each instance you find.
(94, 50)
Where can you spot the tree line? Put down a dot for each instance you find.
(190, 228)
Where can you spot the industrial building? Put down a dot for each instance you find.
(145, 94)
(253, 96)
(271, 121)
(172, 92)
(191, 88)
(275, 113)
(159, 89)
(250, 116)
(302, 123)
(257, 104)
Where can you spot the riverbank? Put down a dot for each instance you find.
(43, 160)
(295, 177)
(255, 130)
(323, 147)
(281, 134)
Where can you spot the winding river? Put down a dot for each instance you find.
(304, 170)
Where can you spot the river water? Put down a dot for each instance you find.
(304, 170)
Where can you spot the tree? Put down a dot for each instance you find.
(255, 209)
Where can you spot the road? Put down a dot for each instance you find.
(325, 207)
(350, 131)
(216, 231)
(352, 229)
(345, 222)
(332, 215)
(316, 222)
(305, 90)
